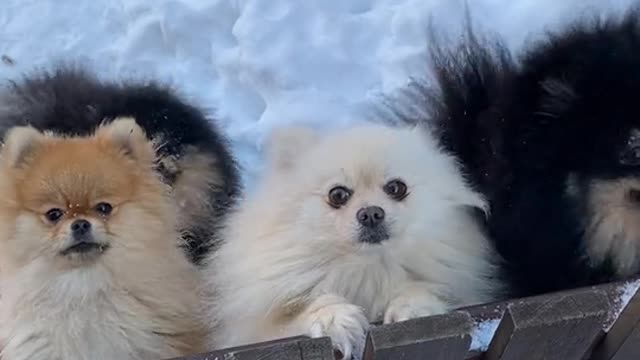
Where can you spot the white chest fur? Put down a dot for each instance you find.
(366, 281)
(78, 315)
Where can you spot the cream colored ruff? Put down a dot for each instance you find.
(291, 264)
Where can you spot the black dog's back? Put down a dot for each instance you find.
(523, 128)
(72, 101)
(462, 107)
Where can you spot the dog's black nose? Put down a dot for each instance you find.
(80, 228)
(370, 216)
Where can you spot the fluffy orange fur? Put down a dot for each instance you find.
(133, 298)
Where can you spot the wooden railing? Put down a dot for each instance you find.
(594, 323)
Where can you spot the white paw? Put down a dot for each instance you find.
(406, 307)
(344, 323)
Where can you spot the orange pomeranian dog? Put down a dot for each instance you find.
(89, 265)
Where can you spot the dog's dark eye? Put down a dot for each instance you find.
(396, 189)
(54, 215)
(104, 208)
(339, 196)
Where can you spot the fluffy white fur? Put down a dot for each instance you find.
(88, 314)
(291, 264)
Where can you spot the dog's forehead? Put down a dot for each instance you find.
(365, 160)
(75, 182)
(71, 186)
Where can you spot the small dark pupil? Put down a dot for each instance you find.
(54, 214)
(104, 208)
(339, 196)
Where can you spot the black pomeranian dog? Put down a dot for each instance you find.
(193, 156)
(552, 138)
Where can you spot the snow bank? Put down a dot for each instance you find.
(261, 63)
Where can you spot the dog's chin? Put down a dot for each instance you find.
(375, 236)
(84, 251)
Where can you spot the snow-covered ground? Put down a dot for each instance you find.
(261, 63)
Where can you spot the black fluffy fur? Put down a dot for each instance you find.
(72, 101)
(522, 126)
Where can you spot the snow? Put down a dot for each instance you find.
(262, 63)
(625, 292)
(482, 333)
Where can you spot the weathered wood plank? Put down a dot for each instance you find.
(560, 327)
(495, 310)
(316, 349)
(294, 348)
(622, 341)
(630, 349)
(563, 325)
(440, 337)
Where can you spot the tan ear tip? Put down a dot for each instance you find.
(18, 143)
(124, 126)
(130, 137)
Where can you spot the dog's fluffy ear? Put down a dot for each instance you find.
(285, 145)
(19, 143)
(128, 137)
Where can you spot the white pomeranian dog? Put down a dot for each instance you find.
(370, 224)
